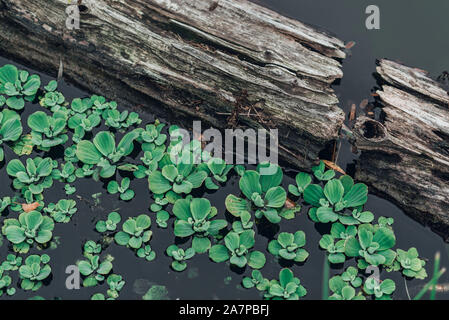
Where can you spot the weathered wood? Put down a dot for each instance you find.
(405, 155)
(205, 59)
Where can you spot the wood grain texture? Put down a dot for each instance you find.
(406, 155)
(200, 59)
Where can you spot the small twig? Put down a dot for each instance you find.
(352, 113)
(60, 70)
(334, 152)
(288, 151)
(338, 151)
(228, 114)
(406, 289)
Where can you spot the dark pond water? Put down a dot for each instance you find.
(411, 31)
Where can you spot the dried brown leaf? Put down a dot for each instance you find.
(333, 166)
(28, 207)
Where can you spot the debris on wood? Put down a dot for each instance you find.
(350, 45)
(352, 112)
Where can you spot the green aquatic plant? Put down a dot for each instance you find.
(98, 296)
(69, 190)
(263, 193)
(159, 202)
(19, 86)
(115, 283)
(156, 292)
(180, 257)
(27, 198)
(373, 247)
(239, 169)
(70, 155)
(62, 211)
(100, 105)
(146, 252)
(381, 290)
(52, 99)
(302, 182)
(87, 170)
(135, 232)
(35, 270)
(217, 170)
(121, 120)
(23, 146)
(194, 218)
(5, 282)
(48, 131)
(82, 118)
(104, 153)
(339, 195)
(4, 203)
(66, 174)
(335, 249)
(288, 287)
(236, 249)
(11, 263)
(289, 246)
(78, 109)
(321, 173)
(162, 218)
(94, 270)
(110, 224)
(342, 232)
(150, 164)
(410, 264)
(351, 276)
(123, 189)
(343, 289)
(153, 142)
(256, 280)
(91, 248)
(30, 227)
(181, 178)
(10, 130)
(244, 223)
(35, 177)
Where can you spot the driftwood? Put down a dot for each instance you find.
(405, 155)
(227, 62)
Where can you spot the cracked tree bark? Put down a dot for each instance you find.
(405, 155)
(202, 59)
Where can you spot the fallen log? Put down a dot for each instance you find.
(405, 153)
(226, 62)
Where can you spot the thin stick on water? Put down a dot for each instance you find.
(325, 284)
(436, 267)
(406, 289)
(338, 152)
(60, 70)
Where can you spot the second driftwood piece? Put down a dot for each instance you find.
(405, 155)
(227, 62)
